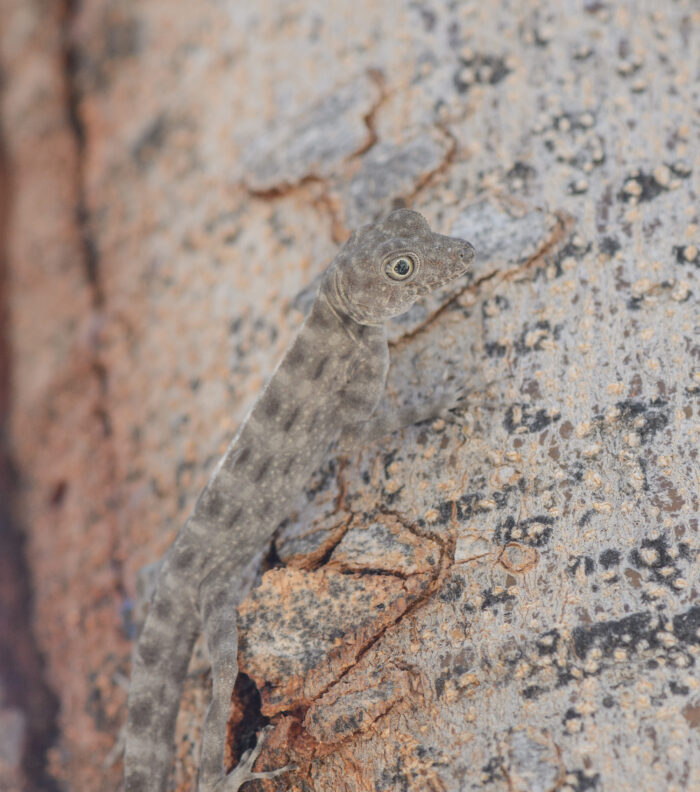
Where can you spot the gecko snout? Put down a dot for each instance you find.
(467, 254)
(459, 260)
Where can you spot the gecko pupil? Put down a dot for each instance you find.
(400, 268)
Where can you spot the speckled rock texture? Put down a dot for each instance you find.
(503, 600)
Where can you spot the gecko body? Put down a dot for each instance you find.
(331, 379)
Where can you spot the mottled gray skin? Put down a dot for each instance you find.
(330, 379)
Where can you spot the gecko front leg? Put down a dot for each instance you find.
(388, 419)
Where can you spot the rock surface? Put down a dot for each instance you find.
(506, 600)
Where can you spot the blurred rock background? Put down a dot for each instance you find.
(505, 600)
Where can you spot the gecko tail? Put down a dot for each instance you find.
(157, 678)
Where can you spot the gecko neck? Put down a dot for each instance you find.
(341, 305)
(330, 311)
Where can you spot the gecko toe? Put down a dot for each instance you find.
(243, 772)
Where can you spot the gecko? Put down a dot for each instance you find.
(330, 382)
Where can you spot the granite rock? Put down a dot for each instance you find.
(180, 172)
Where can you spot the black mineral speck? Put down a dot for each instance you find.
(547, 643)
(479, 70)
(610, 635)
(346, 724)
(521, 170)
(609, 558)
(679, 251)
(586, 516)
(609, 245)
(494, 349)
(585, 781)
(571, 714)
(576, 561)
(491, 600)
(393, 780)
(452, 590)
(534, 531)
(647, 190)
(520, 418)
(686, 626)
(542, 331)
(655, 413)
(657, 555)
(492, 770)
(487, 307)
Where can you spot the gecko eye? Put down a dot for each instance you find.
(400, 268)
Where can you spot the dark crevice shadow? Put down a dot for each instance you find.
(22, 671)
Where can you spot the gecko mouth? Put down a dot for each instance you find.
(439, 282)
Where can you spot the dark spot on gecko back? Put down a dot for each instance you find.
(235, 516)
(162, 696)
(184, 558)
(243, 456)
(163, 609)
(149, 654)
(288, 466)
(262, 470)
(291, 419)
(167, 726)
(353, 399)
(318, 370)
(212, 502)
(271, 405)
(136, 781)
(141, 713)
(296, 356)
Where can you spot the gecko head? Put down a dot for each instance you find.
(385, 267)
